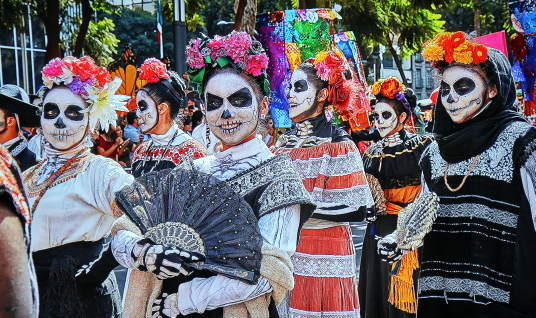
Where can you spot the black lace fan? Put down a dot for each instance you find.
(196, 212)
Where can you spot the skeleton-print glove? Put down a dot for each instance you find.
(166, 306)
(164, 262)
(371, 215)
(388, 249)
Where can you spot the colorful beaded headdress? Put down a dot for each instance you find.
(391, 88)
(237, 49)
(446, 48)
(83, 77)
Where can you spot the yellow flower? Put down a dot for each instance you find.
(320, 57)
(376, 88)
(433, 52)
(463, 54)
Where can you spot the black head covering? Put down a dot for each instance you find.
(15, 99)
(458, 142)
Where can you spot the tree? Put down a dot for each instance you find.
(58, 19)
(482, 16)
(399, 25)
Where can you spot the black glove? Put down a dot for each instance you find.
(388, 249)
(371, 215)
(165, 306)
(165, 262)
(96, 272)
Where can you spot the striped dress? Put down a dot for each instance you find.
(324, 262)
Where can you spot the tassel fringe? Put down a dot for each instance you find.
(402, 289)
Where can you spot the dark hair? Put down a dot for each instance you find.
(312, 76)
(256, 82)
(131, 117)
(197, 117)
(160, 92)
(186, 121)
(397, 105)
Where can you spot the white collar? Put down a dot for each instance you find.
(247, 149)
(163, 140)
(10, 142)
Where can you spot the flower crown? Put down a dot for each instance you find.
(449, 47)
(236, 48)
(391, 88)
(152, 71)
(83, 77)
(332, 67)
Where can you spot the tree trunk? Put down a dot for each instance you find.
(51, 19)
(311, 4)
(82, 32)
(303, 4)
(477, 22)
(398, 63)
(239, 14)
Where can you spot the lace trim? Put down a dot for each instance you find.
(496, 162)
(473, 210)
(296, 313)
(463, 285)
(327, 165)
(342, 266)
(353, 197)
(20, 147)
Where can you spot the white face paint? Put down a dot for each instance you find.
(301, 96)
(146, 112)
(385, 118)
(462, 93)
(63, 120)
(232, 110)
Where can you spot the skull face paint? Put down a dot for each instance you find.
(301, 97)
(64, 120)
(146, 112)
(462, 93)
(232, 110)
(386, 119)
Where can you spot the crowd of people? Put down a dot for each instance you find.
(216, 214)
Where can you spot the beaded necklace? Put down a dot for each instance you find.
(72, 162)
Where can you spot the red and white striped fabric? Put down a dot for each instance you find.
(324, 262)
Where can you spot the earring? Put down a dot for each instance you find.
(263, 116)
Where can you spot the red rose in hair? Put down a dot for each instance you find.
(390, 87)
(480, 54)
(457, 39)
(84, 68)
(102, 76)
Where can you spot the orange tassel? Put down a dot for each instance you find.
(402, 289)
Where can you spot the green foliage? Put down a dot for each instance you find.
(11, 12)
(101, 43)
(193, 19)
(460, 16)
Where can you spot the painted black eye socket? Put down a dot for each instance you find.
(50, 111)
(142, 105)
(301, 86)
(444, 89)
(241, 98)
(213, 102)
(386, 114)
(74, 112)
(464, 86)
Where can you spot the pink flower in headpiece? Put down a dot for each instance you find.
(193, 55)
(215, 45)
(152, 70)
(53, 68)
(256, 63)
(85, 68)
(236, 46)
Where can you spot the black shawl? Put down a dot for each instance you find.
(458, 142)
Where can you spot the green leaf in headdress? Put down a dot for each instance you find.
(267, 87)
(223, 61)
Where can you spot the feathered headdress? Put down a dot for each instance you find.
(83, 77)
(447, 47)
(237, 48)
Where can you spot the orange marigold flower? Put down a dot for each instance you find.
(376, 88)
(464, 53)
(433, 52)
(480, 54)
(457, 39)
(390, 87)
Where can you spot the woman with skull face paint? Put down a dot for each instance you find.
(231, 71)
(395, 178)
(478, 258)
(71, 192)
(332, 171)
(159, 102)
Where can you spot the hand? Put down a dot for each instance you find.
(166, 262)
(118, 140)
(388, 249)
(166, 306)
(371, 215)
